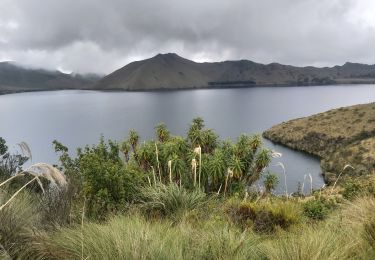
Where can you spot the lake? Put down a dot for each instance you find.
(77, 118)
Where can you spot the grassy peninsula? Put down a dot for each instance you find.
(339, 137)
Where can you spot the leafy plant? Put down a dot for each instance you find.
(171, 200)
(317, 209)
(270, 182)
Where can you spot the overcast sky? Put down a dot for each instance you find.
(100, 36)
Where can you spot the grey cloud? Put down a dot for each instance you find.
(100, 36)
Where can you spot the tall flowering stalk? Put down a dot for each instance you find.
(198, 150)
(194, 170)
(345, 167)
(39, 170)
(170, 170)
(284, 172)
(157, 160)
(229, 175)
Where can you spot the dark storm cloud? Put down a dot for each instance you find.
(99, 36)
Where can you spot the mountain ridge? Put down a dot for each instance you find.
(15, 78)
(170, 71)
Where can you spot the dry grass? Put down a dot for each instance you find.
(340, 136)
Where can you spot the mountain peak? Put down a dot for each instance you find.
(168, 56)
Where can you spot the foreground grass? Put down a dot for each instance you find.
(346, 234)
(133, 237)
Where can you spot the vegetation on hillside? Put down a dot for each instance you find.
(343, 136)
(174, 198)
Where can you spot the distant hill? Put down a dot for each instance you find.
(14, 78)
(339, 136)
(170, 71)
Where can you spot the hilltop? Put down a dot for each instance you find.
(339, 136)
(15, 78)
(170, 71)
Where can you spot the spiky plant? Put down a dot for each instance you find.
(162, 132)
(125, 149)
(270, 182)
(171, 199)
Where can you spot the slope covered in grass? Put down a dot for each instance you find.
(339, 136)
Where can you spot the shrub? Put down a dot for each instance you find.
(101, 177)
(354, 188)
(171, 200)
(265, 216)
(317, 209)
(10, 163)
(271, 181)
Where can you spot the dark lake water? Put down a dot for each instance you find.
(77, 118)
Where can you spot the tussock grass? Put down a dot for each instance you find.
(17, 222)
(265, 216)
(312, 242)
(133, 237)
(171, 200)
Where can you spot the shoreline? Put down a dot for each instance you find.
(337, 137)
(7, 91)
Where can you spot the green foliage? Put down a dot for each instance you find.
(17, 223)
(318, 209)
(171, 200)
(270, 182)
(102, 178)
(3, 146)
(133, 237)
(351, 190)
(162, 132)
(354, 188)
(107, 181)
(9, 163)
(267, 216)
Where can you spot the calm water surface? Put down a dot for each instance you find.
(77, 118)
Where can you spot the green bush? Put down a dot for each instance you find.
(101, 178)
(358, 187)
(316, 209)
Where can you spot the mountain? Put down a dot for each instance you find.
(14, 78)
(170, 71)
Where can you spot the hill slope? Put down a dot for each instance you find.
(170, 71)
(14, 78)
(339, 136)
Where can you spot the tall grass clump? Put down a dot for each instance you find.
(359, 217)
(369, 232)
(169, 200)
(327, 241)
(133, 237)
(265, 216)
(18, 220)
